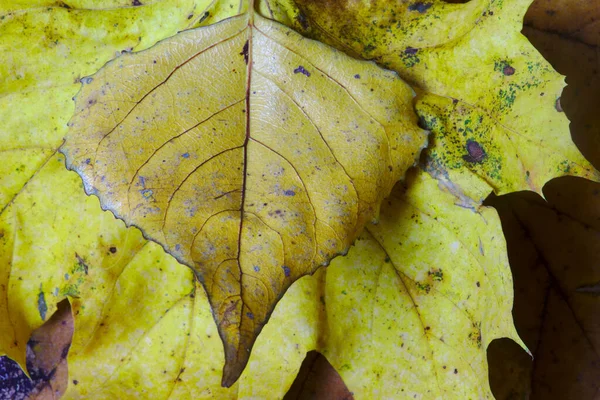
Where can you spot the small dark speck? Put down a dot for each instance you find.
(455, 371)
(204, 16)
(88, 161)
(87, 80)
(256, 268)
(190, 16)
(289, 193)
(357, 76)
(301, 70)
(286, 271)
(250, 315)
(75, 381)
(478, 284)
(411, 50)
(136, 2)
(420, 7)
(113, 249)
(185, 155)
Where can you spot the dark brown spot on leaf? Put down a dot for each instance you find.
(476, 152)
(508, 70)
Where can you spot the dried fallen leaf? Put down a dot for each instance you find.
(252, 155)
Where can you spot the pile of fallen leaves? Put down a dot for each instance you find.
(244, 155)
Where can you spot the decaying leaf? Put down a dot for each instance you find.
(249, 153)
(490, 99)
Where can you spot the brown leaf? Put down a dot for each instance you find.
(554, 248)
(46, 361)
(318, 380)
(47, 351)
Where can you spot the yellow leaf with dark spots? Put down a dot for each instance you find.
(490, 99)
(249, 153)
(414, 305)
